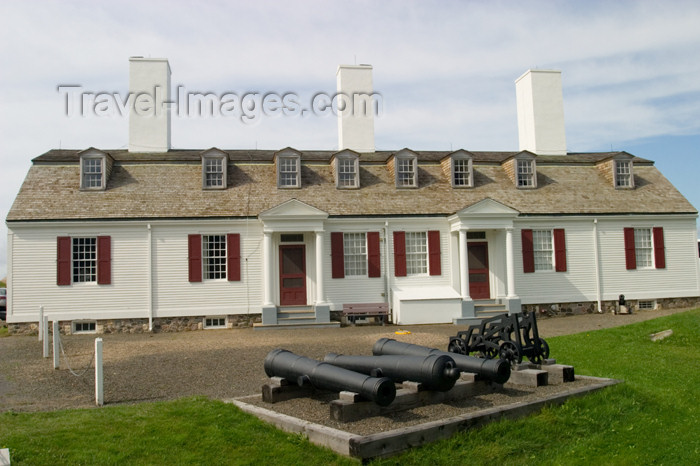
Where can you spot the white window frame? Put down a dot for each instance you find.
(218, 255)
(417, 253)
(84, 173)
(543, 250)
(648, 304)
(644, 247)
(525, 173)
(469, 172)
(80, 323)
(209, 324)
(283, 169)
(355, 254)
(342, 164)
(623, 174)
(83, 269)
(221, 172)
(406, 178)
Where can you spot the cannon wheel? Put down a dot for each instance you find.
(510, 351)
(541, 352)
(457, 346)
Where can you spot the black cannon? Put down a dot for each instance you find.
(489, 369)
(325, 376)
(510, 337)
(434, 371)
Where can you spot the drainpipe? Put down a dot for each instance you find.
(150, 278)
(386, 268)
(597, 264)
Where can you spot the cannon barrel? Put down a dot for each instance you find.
(496, 370)
(435, 371)
(325, 376)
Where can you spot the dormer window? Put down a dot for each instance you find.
(288, 172)
(346, 167)
(95, 167)
(462, 171)
(214, 168)
(406, 168)
(525, 173)
(623, 174)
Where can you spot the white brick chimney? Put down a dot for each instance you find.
(541, 112)
(356, 123)
(149, 114)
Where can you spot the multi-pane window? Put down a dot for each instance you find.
(623, 174)
(461, 172)
(355, 254)
(542, 249)
(643, 247)
(405, 172)
(288, 168)
(347, 173)
(92, 172)
(214, 322)
(214, 172)
(84, 260)
(84, 327)
(214, 256)
(416, 253)
(525, 173)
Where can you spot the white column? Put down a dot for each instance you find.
(510, 266)
(463, 265)
(267, 269)
(320, 291)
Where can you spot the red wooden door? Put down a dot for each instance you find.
(292, 275)
(479, 270)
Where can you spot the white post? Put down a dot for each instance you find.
(463, 265)
(267, 269)
(99, 379)
(41, 323)
(510, 267)
(56, 345)
(45, 334)
(320, 292)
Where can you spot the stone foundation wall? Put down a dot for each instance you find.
(160, 325)
(576, 308)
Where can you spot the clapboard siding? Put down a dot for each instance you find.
(34, 276)
(174, 295)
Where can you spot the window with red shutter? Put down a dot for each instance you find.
(528, 252)
(400, 253)
(630, 254)
(559, 250)
(64, 253)
(374, 266)
(233, 251)
(337, 255)
(659, 249)
(434, 266)
(194, 258)
(104, 260)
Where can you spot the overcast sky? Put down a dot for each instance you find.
(445, 71)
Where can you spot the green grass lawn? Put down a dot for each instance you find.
(652, 418)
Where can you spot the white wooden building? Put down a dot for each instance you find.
(155, 238)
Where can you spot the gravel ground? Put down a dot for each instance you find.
(219, 364)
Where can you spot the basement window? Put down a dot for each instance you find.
(214, 322)
(84, 326)
(647, 305)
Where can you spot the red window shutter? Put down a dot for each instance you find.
(528, 252)
(104, 260)
(659, 250)
(337, 255)
(63, 269)
(630, 255)
(233, 251)
(559, 250)
(374, 265)
(434, 253)
(194, 257)
(400, 253)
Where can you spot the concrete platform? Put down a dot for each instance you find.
(394, 441)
